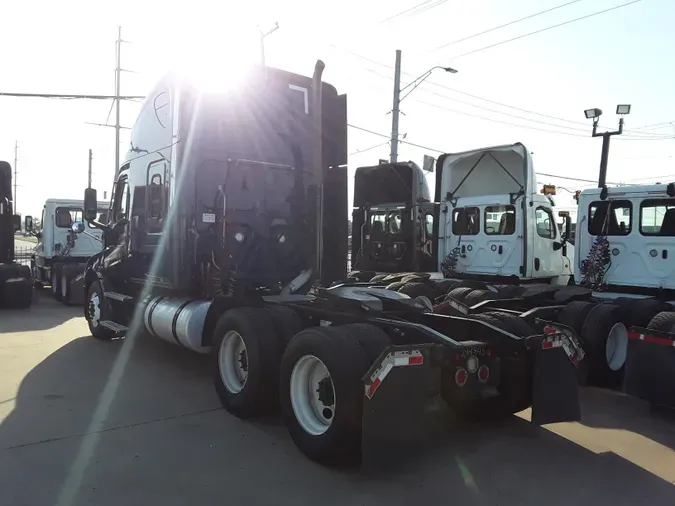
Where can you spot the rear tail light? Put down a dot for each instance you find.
(483, 373)
(461, 376)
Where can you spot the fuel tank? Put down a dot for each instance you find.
(179, 320)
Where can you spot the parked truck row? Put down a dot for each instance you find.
(216, 241)
(486, 250)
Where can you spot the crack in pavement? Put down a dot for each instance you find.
(126, 426)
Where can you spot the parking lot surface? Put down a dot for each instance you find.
(138, 422)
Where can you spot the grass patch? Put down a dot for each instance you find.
(29, 238)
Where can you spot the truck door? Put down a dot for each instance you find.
(546, 261)
(119, 232)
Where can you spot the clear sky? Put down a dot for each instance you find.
(622, 56)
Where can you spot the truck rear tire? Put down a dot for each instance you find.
(606, 343)
(664, 321)
(97, 310)
(460, 293)
(326, 427)
(286, 322)
(574, 315)
(417, 289)
(246, 358)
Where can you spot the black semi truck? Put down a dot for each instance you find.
(16, 286)
(227, 236)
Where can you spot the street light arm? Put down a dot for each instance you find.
(419, 80)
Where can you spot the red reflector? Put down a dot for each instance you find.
(460, 377)
(633, 335)
(417, 359)
(374, 386)
(546, 345)
(483, 373)
(488, 352)
(549, 330)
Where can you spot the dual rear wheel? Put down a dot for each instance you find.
(314, 376)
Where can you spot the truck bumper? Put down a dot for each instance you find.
(650, 365)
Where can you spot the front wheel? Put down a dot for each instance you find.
(97, 310)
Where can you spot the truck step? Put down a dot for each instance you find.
(117, 328)
(117, 296)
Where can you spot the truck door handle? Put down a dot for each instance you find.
(500, 250)
(664, 254)
(463, 249)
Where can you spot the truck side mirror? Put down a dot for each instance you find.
(28, 223)
(16, 222)
(90, 204)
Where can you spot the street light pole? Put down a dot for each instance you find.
(621, 110)
(396, 110)
(262, 41)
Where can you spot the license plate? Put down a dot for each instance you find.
(479, 351)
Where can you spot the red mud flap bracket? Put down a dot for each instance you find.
(650, 366)
(555, 391)
(401, 405)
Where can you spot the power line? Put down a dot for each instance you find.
(68, 97)
(410, 10)
(359, 151)
(546, 29)
(442, 152)
(401, 141)
(507, 24)
(501, 104)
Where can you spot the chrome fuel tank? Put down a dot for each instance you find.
(179, 320)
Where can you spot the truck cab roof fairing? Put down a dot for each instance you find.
(493, 170)
(390, 183)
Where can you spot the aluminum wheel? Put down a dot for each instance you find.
(64, 285)
(233, 362)
(616, 347)
(312, 395)
(94, 309)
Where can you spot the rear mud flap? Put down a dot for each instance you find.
(77, 295)
(649, 367)
(402, 409)
(555, 390)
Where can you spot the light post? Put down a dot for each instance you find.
(262, 41)
(398, 99)
(594, 114)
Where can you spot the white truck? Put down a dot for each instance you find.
(488, 226)
(61, 253)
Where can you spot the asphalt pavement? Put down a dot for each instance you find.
(138, 422)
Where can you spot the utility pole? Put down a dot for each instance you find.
(16, 159)
(395, 111)
(89, 172)
(118, 72)
(398, 98)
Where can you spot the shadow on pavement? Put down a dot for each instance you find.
(613, 410)
(166, 441)
(43, 314)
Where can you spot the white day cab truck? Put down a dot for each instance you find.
(215, 242)
(622, 308)
(61, 254)
(489, 229)
(16, 288)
